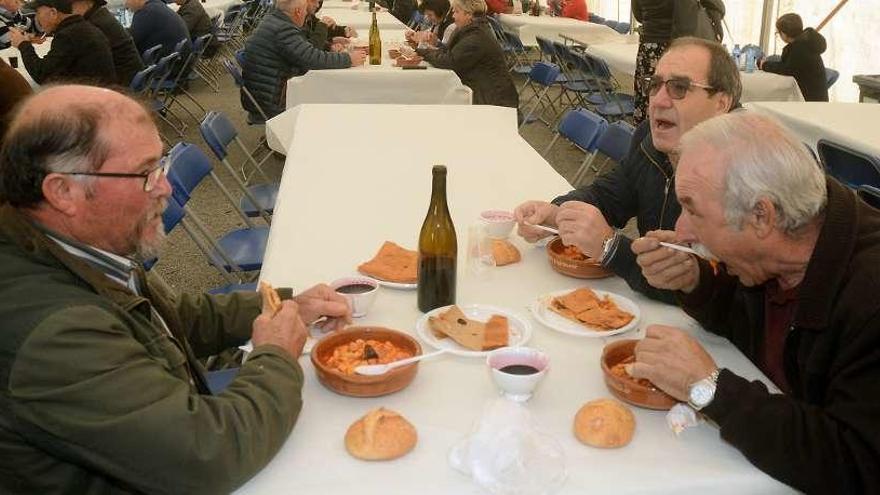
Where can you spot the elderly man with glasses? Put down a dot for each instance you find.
(695, 80)
(102, 390)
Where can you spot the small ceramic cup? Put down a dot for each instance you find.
(517, 371)
(499, 223)
(360, 292)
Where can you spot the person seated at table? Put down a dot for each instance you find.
(324, 33)
(103, 391)
(695, 80)
(796, 293)
(499, 7)
(573, 9)
(11, 16)
(153, 23)
(438, 13)
(475, 56)
(801, 57)
(15, 89)
(80, 51)
(280, 49)
(126, 59)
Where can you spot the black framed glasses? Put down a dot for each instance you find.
(151, 177)
(677, 87)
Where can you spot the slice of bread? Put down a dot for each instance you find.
(471, 334)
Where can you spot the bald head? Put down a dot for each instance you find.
(61, 129)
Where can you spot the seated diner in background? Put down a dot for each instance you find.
(102, 388)
(573, 9)
(798, 263)
(438, 13)
(801, 57)
(695, 80)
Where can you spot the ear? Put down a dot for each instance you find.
(723, 103)
(63, 194)
(763, 218)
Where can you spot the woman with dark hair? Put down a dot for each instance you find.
(438, 13)
(801, 57)
(475, 56)
(655, 35)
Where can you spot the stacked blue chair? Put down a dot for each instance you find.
(519, 62)
(622, 27)
(582, 128)
(831, 76)
(849, 166)
(611, 23)
(541, 79)
(612, 104)
(597, 19)
(235, 72)
(614, 143)
(151, 55)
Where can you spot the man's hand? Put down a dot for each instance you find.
(16, 37)
(666, 268)
(583, 225)
(341, 40)
(323, 302)
(534, 213)
(357, 57)
(328, 21)
(285, 329)
(350, 32)
(337, 47)
(672, 360)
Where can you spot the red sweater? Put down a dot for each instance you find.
(576, 9)
(497, 7)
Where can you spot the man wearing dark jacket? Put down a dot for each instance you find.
(801, 57)
(694, 81)
(278, 50)
(12, 17)
(126, 58)
(153, 23)
(796, 293)
(194, 16)
(79, 49)
(322, 31)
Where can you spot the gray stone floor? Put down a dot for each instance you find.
(182, 265)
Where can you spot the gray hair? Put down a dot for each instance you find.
(765, 160)
(473, 7)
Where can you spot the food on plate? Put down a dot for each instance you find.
(404, 61)
(380, 435)
(573, 253)
(393, 264)
(623, 370)
(585, 307)
(270, 296)
(471, 334)
(346, 357)
(504, 252)
(604, 423)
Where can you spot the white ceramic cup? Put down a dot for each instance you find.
(499, 223)
(359, 298)
(517, 387)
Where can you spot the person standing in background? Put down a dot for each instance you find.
(655, 35)
(801, 57)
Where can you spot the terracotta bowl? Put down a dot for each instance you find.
(625, 388)
(408, 62)
(573, 268)
(358, 385)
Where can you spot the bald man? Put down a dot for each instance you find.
(102, 389)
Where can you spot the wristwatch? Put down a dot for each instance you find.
(702, 392)
(606, 247)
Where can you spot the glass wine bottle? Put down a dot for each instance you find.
(375, 43)
(438, 249)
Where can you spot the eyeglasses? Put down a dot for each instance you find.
(151, 177)
(677, 87)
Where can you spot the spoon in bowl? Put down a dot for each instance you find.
(381, 369)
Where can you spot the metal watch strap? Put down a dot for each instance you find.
(607, 246)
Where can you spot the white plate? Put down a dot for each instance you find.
(520, 328)
(541, 309)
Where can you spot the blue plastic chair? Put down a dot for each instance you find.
(870, 195)
(831, 76)
(151, 55)
(542, 76)
(582, 128)
(614, 143)
(614, 104)
(238, 79)
(239, 57)
(597, 19)
(518, 54)
(219, 132)
(849, 166)
(141, 80)
(611, 23)
(622, 27)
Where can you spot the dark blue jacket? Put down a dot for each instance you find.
(156, 24)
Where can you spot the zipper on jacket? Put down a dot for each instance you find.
(665, 188)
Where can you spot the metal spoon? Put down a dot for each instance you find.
(544, 227)
(679, 247)
(381, 369)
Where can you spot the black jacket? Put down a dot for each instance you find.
(825, 437)
(474, 54)
(276, 51)
(640, 186)
(802, 59)
(656, 18)
(80, 52)
(319, 34)
(156, 24)
(126, 58)
(196, 19)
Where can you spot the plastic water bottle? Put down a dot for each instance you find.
(751, 63)
(737, 56)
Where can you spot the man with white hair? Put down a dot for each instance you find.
(796, 293)
(280, 49)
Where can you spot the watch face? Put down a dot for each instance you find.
(702, 393)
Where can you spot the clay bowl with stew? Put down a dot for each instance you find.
(627, 388)
(359, 385)
(578, 268)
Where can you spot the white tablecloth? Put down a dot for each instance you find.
(545, 26)
(361, 20)
(41, 49)
(757, 86)
(344, 193)
(849, 124)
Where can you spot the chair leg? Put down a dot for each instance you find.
(582, 170)
(552, 142)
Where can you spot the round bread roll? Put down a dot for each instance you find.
(380, 435)
(604, 423)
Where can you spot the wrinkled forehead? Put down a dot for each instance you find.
(686, 61)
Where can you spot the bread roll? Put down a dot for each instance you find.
(604, 423)
(380, 435)
(504, 252)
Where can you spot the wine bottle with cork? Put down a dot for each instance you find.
(375, 43)
(438, 249)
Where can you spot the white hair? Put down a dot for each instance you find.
(473, 7)
(765, 160)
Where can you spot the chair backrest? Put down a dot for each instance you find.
(514, 42)
(546, 47)
(598, 67)
(166, 64)
(616, 140)
(598, 19)
(544, 73)
(234, 71)
(218, 131)
(849, 166)
(141, 79)
(582, 127)
(172, 215)
(623, 27)
(239, 57)
(611, 23)
(831, 76)
(151, 55)
(189, 166)
(870, 195)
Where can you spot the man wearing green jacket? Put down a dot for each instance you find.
(100, 387)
